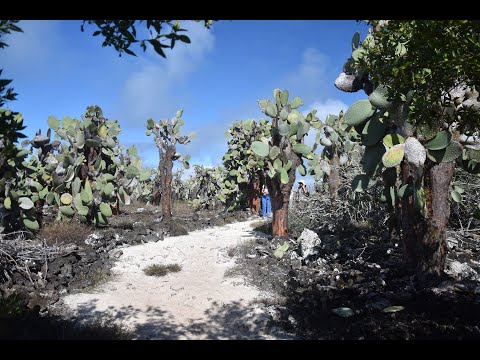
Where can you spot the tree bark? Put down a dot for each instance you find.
(255, 194)
(280, 196)
(167, 183)
(424, 235)
(157, 182)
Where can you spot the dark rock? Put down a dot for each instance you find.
(153, 238)
(218, 222)
(140, 228)
(195, 217)
(176, 229)
(66, 271)
(41, 300)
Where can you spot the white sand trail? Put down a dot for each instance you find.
(198, 302)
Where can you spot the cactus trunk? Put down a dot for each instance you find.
(255, 194)
(334, 178)
(167, 169)
(424, 237)
(157, 187)
(389, 179)
(280, 193)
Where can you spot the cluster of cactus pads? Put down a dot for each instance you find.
(338, 140)
(390, 137)
(242, 165)
(167, 135)
(289, 128)
(206, 185)
(83, 171)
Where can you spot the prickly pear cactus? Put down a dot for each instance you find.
(15, 193)
(284, 151)
(392, 138)
(167, 135)
(243, 166)
(207, 186)
(339, 141)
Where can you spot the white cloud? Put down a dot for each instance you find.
(147, 92)
(310, 78)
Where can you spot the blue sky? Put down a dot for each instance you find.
(216, 80)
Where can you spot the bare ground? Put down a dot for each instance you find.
(198, 302)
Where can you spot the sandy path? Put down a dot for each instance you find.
(196, 303)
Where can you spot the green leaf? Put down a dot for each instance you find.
(87, 194)
(274, 151)
(108, 189)
(288, 165)
(31, 224)
(260, 148)
(157, 47)
(67, 210)
(7, 203)
(358, 113)
(296, 102)
(277, 164)
(283, 176)
(280, 251)
(271, 111)
(25, 203)
(374, 130)
(184, 38)
(393, 139)
(284, 97)
(284, 129)
(358, 53)
(301, 149)
(301, 169)
(393, 156)
(343, 312)
(450, 153)
(355, 40)
(440, 141)
(456, 196)
(145, 175)
(53, 123)
(105, 209)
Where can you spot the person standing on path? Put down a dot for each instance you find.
(266, 205)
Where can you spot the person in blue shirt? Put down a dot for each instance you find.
(266, 204)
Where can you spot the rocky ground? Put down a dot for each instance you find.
(352, 286)
(322, 285)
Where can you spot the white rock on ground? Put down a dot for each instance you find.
(308, 241)
(198, 302)
(461, 271)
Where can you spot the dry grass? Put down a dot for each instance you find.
(161, 270)
(264, 226)
(182, 208)
(59, 233)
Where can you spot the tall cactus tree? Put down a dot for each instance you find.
(421, 116)
(284, 152)
(242, 164)
(167, 135)
(338, 140)
(207, 185)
